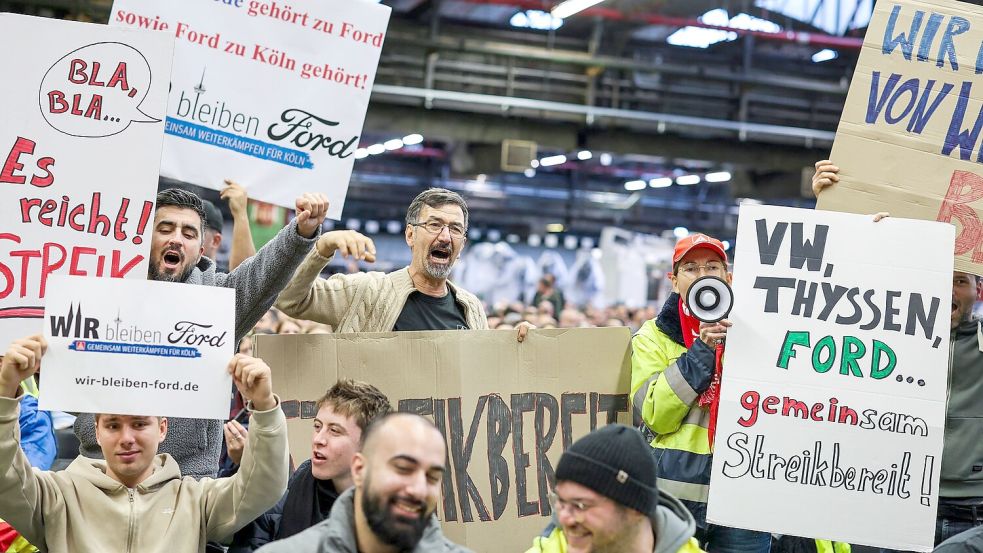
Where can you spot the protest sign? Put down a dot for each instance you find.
(909, 138)
(508, 410)
(79, 98)
(138, 347)
(269, 94)
(834, 383)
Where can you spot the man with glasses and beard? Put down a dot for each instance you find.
(417, 297)
(392, 506)
(176, 255)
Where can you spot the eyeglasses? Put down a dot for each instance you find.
(694, 269)
(577, 508)
(435, 227)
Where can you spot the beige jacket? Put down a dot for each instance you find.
(82, 510)
(361, 302)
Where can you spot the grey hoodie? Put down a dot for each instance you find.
(962, 453)
(337, 534)
(196, 444)
(674, 526)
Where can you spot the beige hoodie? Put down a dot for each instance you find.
(82, 510)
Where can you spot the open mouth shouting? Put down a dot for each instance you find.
(317, 458)
(170, 260)
(440, 254)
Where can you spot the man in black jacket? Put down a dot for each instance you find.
(342, 414)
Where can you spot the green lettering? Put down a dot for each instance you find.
(853, 349)
(829, 345)
(892, 360)
(792, 338)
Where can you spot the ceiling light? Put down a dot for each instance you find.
(535, 19)
(825, 55)
(412, 139)
(726, 244)
(584, 155)
(687, 180)
(660, 182)
(553, 160)
(534, 164)
(512, 238)
(720, 176)
(372, 227)
(634, 185)
(361, 153)
(529, 173)
(569, 7)
(606, 159)
(551, 241)
(534, 240)
(680, 232)
(570, 242)
(393, 144)
(375, 149)
(554, 227)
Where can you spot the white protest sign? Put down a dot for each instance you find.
(80, 142)
(270, 94)
(834, 382)
(138, 347)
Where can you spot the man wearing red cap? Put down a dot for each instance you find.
(673, 366)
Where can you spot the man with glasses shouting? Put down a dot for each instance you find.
(673, 364)
(607, 501)
(417, 297)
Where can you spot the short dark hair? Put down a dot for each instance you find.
(359, 400)
(97, 415)
(176, 197)
(435, 197)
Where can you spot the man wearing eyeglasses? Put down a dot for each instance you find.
(673, 363)
(607, 501)
(417, 297)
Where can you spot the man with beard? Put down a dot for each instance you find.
(961, 485)
(417, 297)
(176, 256)
(343, 414)
(607, 501)
(392, 507)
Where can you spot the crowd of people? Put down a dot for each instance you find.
(372, 483)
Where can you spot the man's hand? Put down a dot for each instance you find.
(712, 334)
(235, 195)
(826, 175)
(21, 361)
(252, 377)
(523, 328)
(236, 437)
(347, 243)
(311, 210)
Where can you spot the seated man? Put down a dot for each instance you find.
(607, 501)
(397, 479)
(136, 500)
(343, 413)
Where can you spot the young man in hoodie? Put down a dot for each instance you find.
(136, 500)
(177, 255)
(343, 414)
(961, 485)
(607, 501)
(392, 507)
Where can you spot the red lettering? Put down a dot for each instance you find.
(115, 271)
(73, 268)
(25, 262)
(749, 401)
(119, 77)
(768, 405)
(93, 79)
(49, 207)
(8, 275)
(76, 72)
(964, 188)
(814, 413)
(56, 102)
(47, 267)
(94, 111)
(48, 179)
(25, 208)
(21, 146)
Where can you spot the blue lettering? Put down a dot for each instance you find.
(911, 85)
(924, 112)
(965, 140)
(957, 26)
(875, 105)
(931, 28)
(906, 42)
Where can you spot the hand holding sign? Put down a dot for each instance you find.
(21, 361)
(252, 378)
(96, 91)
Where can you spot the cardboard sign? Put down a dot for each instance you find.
(834, 384)
(508, 410)
(270, 94)
(138, 347)
(909, 138)
(80, 138)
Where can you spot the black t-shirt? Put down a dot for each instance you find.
(423, 312)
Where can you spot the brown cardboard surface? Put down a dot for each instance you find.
(899, 167)
(551, 389)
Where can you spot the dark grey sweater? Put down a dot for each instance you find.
(196, 444)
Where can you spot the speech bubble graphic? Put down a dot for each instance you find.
(96, 90)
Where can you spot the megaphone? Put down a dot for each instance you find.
(709, 299)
